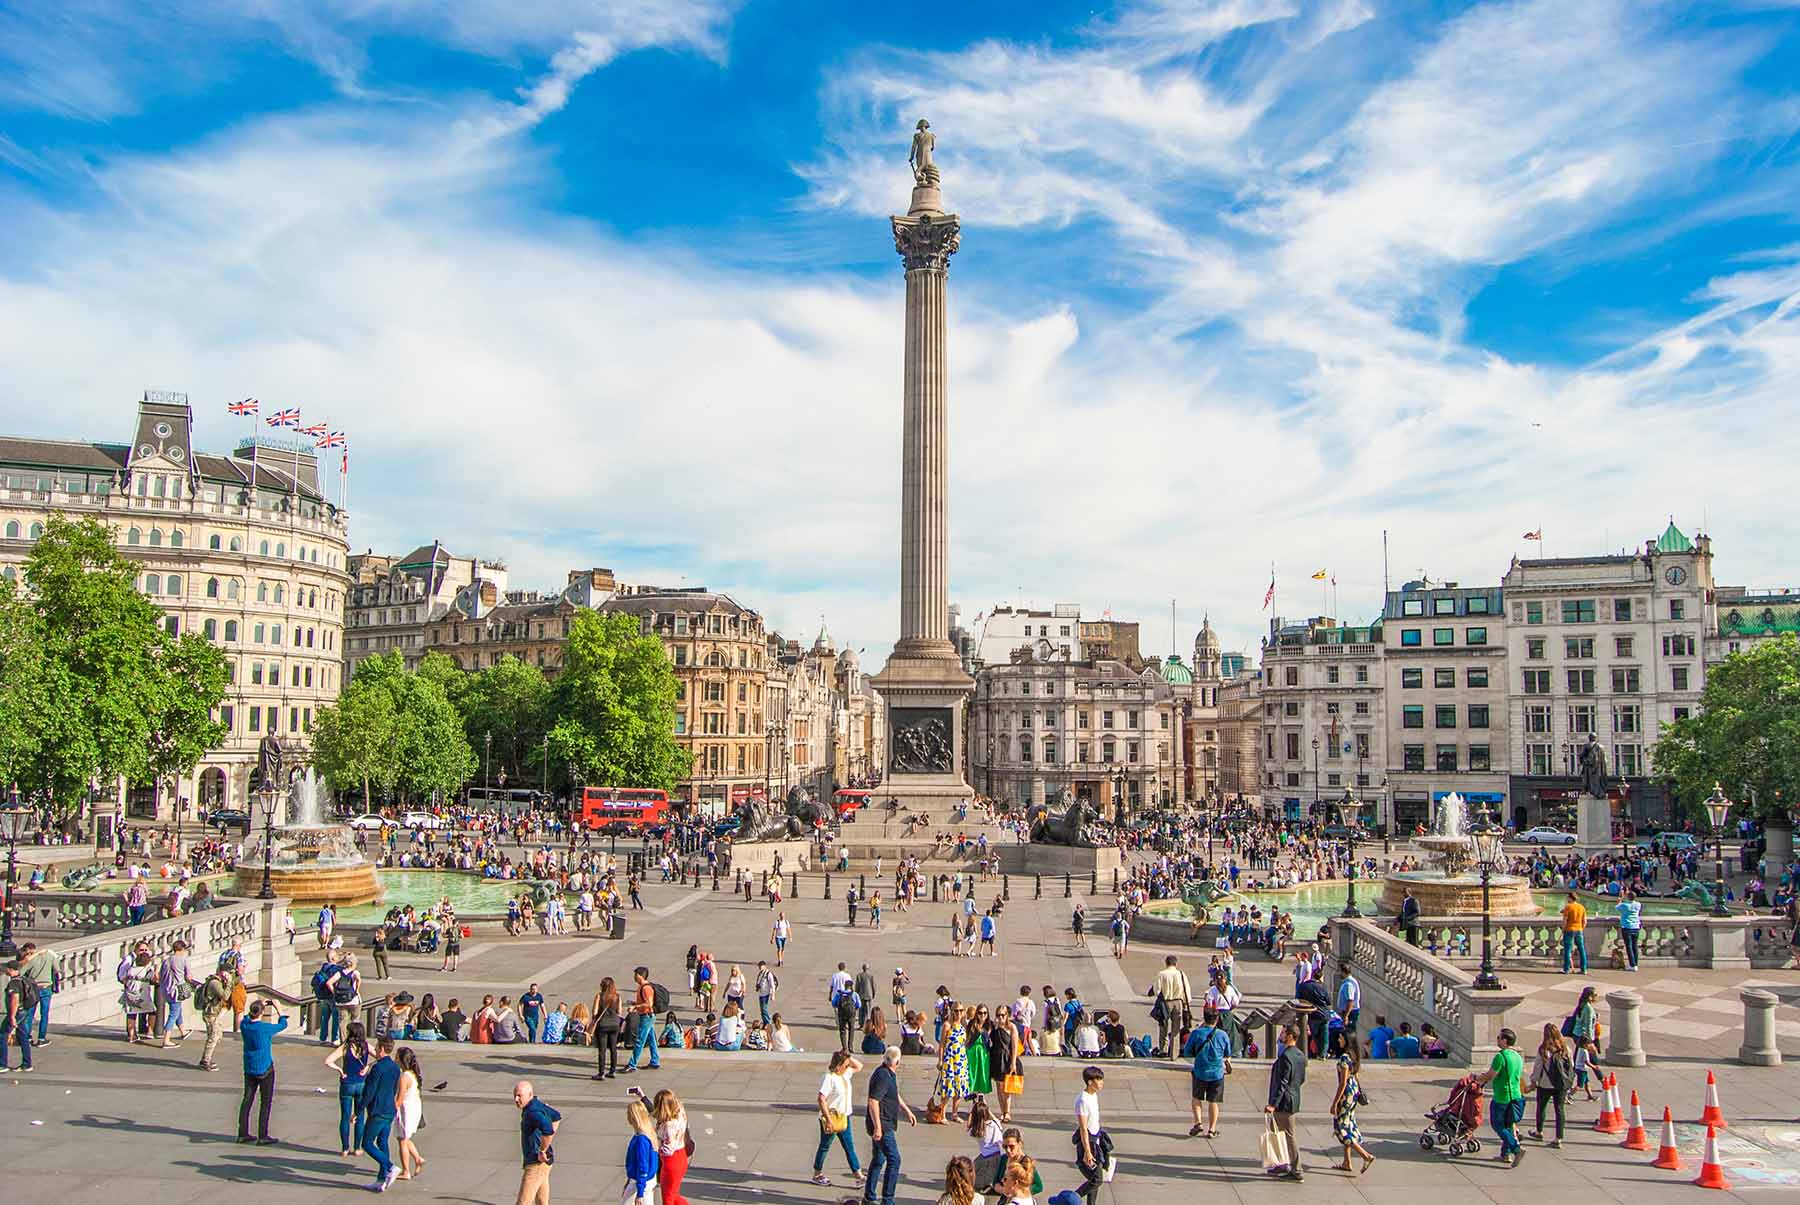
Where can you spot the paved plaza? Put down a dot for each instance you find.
(96, 1111)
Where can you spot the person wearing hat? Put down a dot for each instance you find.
(395, 1018)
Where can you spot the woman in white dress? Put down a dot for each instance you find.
(410, 1113)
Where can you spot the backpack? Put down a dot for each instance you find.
(28, 993)
(212, 996)
(321, 981)
(659, 998)
(343, 989)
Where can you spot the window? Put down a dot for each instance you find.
(264, 548)
(212, 587)
(1478, 605)
(1679, 677)
(1621, 610)
(231, 588)
(1293, 746)
(230, 630)
(1581, 681)
(1131, 751)
(1412, 679)
(1411, 638)
(1362, 746)
(1290, 709)
(1108, 751)
(1293, 780)
(175, 539)
(1677, 609)
(258, 634)
(281, 549)
(1678, 646)
(214, 542)
(1534, 612)
(1625, 681)
(1537, 681)
(12, 529)
(1628, 760)
(1534, 648)
(1537, 759)
(1446, 758)
(237, 545)
(1331, 674)
(1106, 719)
(278, 593)
(1537, 718)
(1582, 718)
(1477, 675)
(1478, 758)
(1293, 676)
(1024, 748)
(172, 625)
(1131, 719)
(1414, 757)
(1362, 707)
(1628, 717)
(156, 537)
(1443, 606)
(1578, 610)
(1362, 674)
(210, 629)
(1443, 679)
(134, 536)
(1412, 716)
(1577, 648)
(1165, 720)
(274, 633)
(1622, 646)
(256, 673)
(1478, 715)
(1681, 713)
(1474, 635)
(1025, 719)
(255, 719)
(1081, 719)
(1081, 752)
(1050, 750)
(172, 585)
(274, 673)
(262, 591)
(1445, 716)
(1413, 606)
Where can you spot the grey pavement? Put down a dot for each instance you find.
(110, 1112)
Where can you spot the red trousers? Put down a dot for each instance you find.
(668, 1178)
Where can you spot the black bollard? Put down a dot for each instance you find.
(934, 889)
(1038, 892)
(1094, 881)
(715, 878)
(1006, 887)
(1115, 880)
(862, 886)
(828, 884)
(796, 890)
(1068, 885)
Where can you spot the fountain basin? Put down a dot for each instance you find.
(1456, 895)
(311, 864)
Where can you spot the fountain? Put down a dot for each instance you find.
(1450, 887)
(315, 861)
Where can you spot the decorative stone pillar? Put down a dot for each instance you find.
(1759, 1048)
(1625, 1045)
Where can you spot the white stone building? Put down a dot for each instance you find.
(1324, 730)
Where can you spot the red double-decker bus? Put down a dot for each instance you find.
(619, 808)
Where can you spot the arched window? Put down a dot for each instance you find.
(214, 542)
(298, 632)
(162, 486)
(279, 591)
(274, 633)
(262, 591)
(156, 537)
(265, 548)
(37, 531)
(309, 675)
(175, 539)
(173, 585)
(309, 637)
(257, 635)
(231, 588)
(281, 548)
(210, 629)
(11, 574)
(172, 625)
(237, 545)
(231, 631)
(151, 583)
(212, 587)
(1024, 748)
(134, 536)
(12, 529)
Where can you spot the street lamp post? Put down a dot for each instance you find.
(1718, 807)
(1315, 747)
(267, 800)
(1350, 908)
(1487, 837)
(487, 760)
(14, 819)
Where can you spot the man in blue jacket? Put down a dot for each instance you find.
(381, 1084)
(258, 1034)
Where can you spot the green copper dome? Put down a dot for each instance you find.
(1673, 541)
(1175, 673)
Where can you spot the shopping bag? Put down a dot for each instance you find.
(1275, 1157)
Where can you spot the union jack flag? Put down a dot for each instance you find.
(316, 430)
(247, 406)
(334, 440)
(284, 418)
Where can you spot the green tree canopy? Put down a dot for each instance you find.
(1745, 736)
(95, 687)
(509, 700)
(354, 742)
(429, 752)
(612, 708)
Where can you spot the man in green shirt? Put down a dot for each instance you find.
(1507, 1107)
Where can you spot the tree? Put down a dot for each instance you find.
(431, 754)
(353, 741)
(95, 686)
(510, 701)
(613, 706)
(1745, 735)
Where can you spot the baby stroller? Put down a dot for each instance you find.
(1453, 1123)
(428, 940)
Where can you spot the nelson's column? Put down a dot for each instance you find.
(923, 682)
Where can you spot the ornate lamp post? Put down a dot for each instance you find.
(1718, 807)
(1315, 747)
(267, 800)
(1118, 782)
(487, 759)
(1487, 837)
(13, 820)
(1350, 908)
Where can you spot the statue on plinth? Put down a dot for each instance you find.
(1594, 779)
(1072, 826)
(925, 172)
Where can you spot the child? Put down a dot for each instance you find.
(901, 981)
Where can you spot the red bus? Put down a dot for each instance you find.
(631, 807)
(849, 800)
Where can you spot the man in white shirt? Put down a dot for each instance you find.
(1176, 994)
(1090, 1137)
(1024, 1012)
(841, 982)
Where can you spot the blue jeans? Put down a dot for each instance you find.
(330, 1024)
(8, 1035)
(763, 1003)
(531, 1028)
(884, 1164)
(1575, 943)
(735, 1044)
(843, 1138)
(1630, 938)
(1505, 1118)
(646, 1037)
(43, 1013)
(350, 1114)
(375, 1142)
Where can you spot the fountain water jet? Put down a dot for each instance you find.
(1449, 887)
(315, 861)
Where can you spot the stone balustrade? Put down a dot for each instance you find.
(1406, 983)
(1713, 943)
(76, 911)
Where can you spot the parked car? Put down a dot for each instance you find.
(1675, 841)
(1543, 834)
(728, 826)
(370, 820)
(421, 820)
(227, 819)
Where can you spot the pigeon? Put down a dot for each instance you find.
(440, 1085)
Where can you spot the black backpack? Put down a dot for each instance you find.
(659, 998)
(28, 993)
(343, 990)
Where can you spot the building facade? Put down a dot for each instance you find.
(1747, 618)
(482, 624)
(1098, 730)
(1324, 732)
(1446, 711)
(1241, 739)
(393, 600)
(1610, 647)
(243, 549)
(1005, 630)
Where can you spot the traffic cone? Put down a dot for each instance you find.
(1711, 1115)
(1635, 1138)
(1712, 1172)
(1667, 1157)
(1612, 1117)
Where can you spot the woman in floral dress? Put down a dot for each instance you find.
(952, 1084)
(1344, 1102)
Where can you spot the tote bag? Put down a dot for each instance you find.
(1273, 1144)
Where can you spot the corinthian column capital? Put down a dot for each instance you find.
(926, 240)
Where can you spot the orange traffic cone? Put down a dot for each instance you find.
(1612, 1117)
(1712, 1172)
(1711, 1115)
(1667, 1157)
(1635, 1138)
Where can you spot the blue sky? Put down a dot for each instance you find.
(1242, 281)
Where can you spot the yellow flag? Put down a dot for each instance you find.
(1319, 576)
